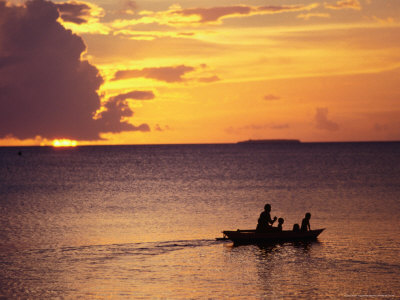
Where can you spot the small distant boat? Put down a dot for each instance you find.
(253, 237)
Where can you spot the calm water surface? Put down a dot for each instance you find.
(141, 221)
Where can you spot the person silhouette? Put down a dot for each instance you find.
(305, 223)
(280, 223)
(264, 221)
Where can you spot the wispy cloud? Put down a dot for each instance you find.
(177, 16)
(257, 127)
(322, 121)
(129, 7)
(381, 127)
(308, 16)
(167, 74)
(209, 79)
(134, 95)
(271, 97)
(82, 17)
(79, 12)
(74, 12)
(216, 14)
(158, 127)
(344, 4)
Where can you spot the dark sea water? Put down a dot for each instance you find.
(141, 221)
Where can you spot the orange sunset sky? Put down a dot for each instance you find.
(161, 71)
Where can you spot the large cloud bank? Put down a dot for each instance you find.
(46, 89)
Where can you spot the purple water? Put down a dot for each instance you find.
(141, 221)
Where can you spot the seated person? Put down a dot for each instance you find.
(264, 221)
(305, 224)
(296, 227)
(280, 223)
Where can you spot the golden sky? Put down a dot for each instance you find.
(219, 71)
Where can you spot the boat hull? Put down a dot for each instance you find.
(253, 237)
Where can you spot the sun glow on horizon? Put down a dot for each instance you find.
(64, 143)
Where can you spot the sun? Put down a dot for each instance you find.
(64, 143)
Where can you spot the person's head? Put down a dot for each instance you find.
(281, 220)
(267, 207)
(308, 216)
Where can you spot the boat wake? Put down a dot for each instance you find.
(115, 250)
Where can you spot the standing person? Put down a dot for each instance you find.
(305, 224)
(264, 221)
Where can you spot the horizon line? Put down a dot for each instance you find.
(222, 143)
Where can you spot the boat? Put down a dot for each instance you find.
(253, 237)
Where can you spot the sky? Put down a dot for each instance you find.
(185, 71)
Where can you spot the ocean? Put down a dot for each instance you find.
(140, 222)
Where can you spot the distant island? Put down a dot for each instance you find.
(281, 141)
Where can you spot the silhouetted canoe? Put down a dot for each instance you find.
(253, 237)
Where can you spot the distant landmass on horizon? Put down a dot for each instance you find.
(267, 141)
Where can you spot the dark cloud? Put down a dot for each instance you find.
(271, 97)
(75, 12)
(322, 122)
(117, 109)
(45, 88)
(167, 74)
